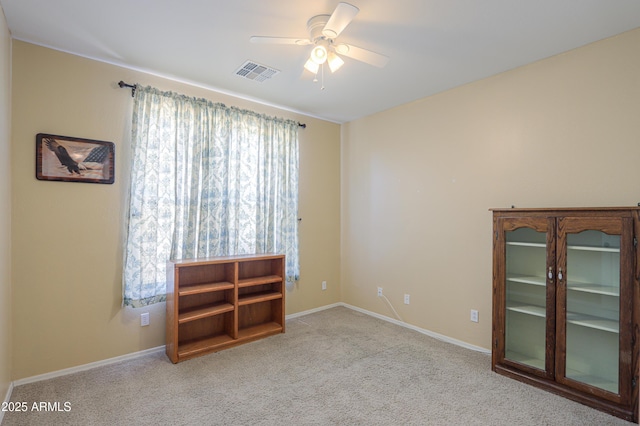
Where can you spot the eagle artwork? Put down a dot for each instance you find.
(63, 158)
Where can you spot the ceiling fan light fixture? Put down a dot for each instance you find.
(319, 54)
(323, 31)
(334, 61)
(311, 66)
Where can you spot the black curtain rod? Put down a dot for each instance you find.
(122, 85)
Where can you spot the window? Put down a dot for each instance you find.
(206, 180)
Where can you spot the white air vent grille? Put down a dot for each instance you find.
(256, 72)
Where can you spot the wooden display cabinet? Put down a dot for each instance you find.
(565, 303)
(216, 303)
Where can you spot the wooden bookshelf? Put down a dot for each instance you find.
(217, 303)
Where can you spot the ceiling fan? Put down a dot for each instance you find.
(323, 31)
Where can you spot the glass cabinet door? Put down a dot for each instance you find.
(590, 289)
(593, 309)
(526, 310)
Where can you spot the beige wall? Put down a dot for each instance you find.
(67, 237)
(418, 180)
(5, 208)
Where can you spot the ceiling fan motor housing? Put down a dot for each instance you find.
(315, 26)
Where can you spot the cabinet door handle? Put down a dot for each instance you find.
(560, 274)
(550, 274)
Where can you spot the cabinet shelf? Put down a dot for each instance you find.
(204, 312)
(262, 296)
(524, 279)
(536, 311)
(525, 359)
(260, 330)
(593, 322)
(219, 302)
(193, 347)
(571, 285)
(597, 381)
(269, 279)
(577, 319)
(526, 244)
(189, 290)
(595, 248)
(604, 290)
(204, 345)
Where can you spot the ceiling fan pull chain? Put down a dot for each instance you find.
(322, 76)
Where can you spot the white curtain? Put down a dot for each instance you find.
(206, 180)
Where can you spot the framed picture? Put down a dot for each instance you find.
(73, 159)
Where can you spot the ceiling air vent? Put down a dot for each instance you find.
(256, 72)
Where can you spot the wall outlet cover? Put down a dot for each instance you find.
(144, 319)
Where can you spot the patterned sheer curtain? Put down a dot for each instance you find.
(206, 180)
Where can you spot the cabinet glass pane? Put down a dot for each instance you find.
(593, 309)
(525, 328)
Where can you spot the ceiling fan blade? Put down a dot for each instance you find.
(362, 55)
(280, 40)
(340, 18)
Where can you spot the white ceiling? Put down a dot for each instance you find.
(433, 45)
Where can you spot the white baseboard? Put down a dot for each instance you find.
(7, 399)
(89, 366)
(397, 322)
(314, 310)
(421, 330)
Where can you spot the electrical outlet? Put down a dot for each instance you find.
(406, 299)
(324, 285)
(474, 315)
(144, 319)
(379, 291)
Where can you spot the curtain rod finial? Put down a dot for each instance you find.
(122, 85)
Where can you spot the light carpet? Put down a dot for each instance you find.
(334, 367)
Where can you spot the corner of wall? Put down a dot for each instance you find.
(6, 331)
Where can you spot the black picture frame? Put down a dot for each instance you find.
(71, 159)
